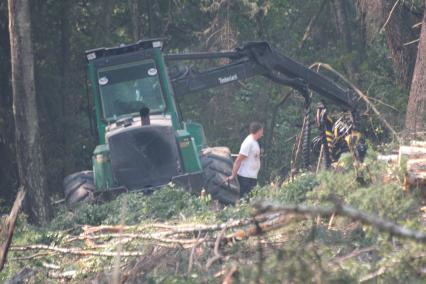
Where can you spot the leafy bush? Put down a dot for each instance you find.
(290, 191)
(167, 203)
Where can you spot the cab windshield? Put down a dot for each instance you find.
(126, 89)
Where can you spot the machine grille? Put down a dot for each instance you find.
(144, 156)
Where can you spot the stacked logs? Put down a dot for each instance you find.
(415, 156)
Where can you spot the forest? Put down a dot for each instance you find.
(340, 219)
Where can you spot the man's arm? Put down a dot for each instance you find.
(236, 166)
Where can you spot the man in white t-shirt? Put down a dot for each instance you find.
(247, 165)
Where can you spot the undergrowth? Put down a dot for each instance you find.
(303, 251)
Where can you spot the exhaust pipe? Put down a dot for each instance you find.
(144, 113)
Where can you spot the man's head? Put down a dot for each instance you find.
(256, 129)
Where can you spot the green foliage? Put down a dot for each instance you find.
(290, 191)
(63, 30)
(303, 250)
(163, 204)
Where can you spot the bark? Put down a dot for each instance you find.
(415, 120)
(343, 23)
(66, 96)
(135, 16)
(343, 27)
(398, 31)
(396, 24)
(8, 170)
(27, 137)
(150, 17)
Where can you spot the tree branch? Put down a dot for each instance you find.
(10, 226)
(347, 211)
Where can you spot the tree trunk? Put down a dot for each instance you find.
(27, 137)
(135, 16)
(415, 120)
(342, 23)
(396, 22)
(64, 59)
(150, 17)
(344, 30)
(398, 31)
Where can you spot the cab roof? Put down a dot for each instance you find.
(143, 44)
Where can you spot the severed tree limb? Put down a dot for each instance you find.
(347, 211)
(310, 25)
(355, 253)
(231, 275)
(373, 275)
(61, 275)
(274, 222)
(191, 256)
(131, 236)
(217, 255)
(33, 256)
(172, 230)
(76, 251)
(10, 226)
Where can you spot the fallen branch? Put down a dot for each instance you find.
(372, 275)
(33, 256)
(231, 275)
(191, 256)
(217, 256)
(355, 253)
(61, 275)
(10, 226)
(75, 251)
(347, 211)
(170, 229)
(274, 222)
(149, 237)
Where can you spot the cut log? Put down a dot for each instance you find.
(416, 165)
(416, 175)
(418, 143)
(410, 152)
(390, 159)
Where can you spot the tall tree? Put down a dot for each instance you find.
(396, 21)
(135, 12)
(344, 30)
(27, 137)
(416, 110)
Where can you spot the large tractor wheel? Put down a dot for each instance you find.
(78, 188)
(217, 165)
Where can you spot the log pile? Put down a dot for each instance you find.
(414, 158)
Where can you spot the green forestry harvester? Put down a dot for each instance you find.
(143, 142)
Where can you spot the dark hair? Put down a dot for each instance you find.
(255, 127)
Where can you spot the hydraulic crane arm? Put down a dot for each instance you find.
(255, 58)
(258, 58)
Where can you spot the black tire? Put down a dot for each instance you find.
(217, 166)
(79, 188)
(73, 181)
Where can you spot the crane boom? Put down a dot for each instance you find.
(251, 59)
